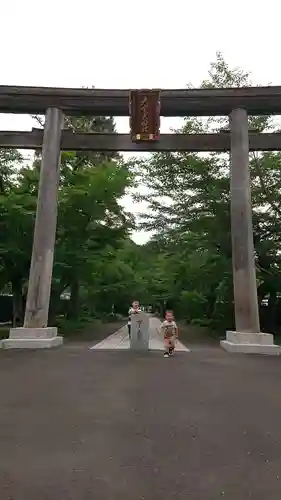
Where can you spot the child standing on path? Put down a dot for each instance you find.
(170, 331)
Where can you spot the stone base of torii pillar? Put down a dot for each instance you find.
(250, 343)
(32, 338)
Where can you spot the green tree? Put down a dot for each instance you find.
(16, 224)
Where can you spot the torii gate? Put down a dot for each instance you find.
(144, 109)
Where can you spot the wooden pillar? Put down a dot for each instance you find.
(40, 278)
(244, 273)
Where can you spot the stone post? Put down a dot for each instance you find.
(139, 332)
(247, 337)
(35, 332)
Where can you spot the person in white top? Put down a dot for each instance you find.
(134, 309)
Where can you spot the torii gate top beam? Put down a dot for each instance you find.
(101, 102)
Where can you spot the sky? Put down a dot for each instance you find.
(125, 44)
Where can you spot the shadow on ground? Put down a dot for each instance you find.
(77, 424)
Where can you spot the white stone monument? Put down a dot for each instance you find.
(139, 332)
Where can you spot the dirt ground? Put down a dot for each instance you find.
(79, 424)
(193, 334)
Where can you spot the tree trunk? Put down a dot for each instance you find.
(272, 310)
(74, 299)
(17, 302)
(55, 301)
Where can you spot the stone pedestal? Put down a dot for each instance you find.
(250, 343)
(32, 338)
(139, 332)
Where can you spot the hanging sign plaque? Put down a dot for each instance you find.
(144, 108)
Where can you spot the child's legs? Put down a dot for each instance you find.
(129, 330)
(166, 344)
(172, 343)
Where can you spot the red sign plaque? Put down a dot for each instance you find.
(144, 108)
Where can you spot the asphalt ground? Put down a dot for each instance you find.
(81, 424)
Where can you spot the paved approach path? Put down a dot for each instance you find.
(120, 339)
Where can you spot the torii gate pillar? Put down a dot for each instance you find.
(247, 338)
(35, 333)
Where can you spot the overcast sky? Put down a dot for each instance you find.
(127, 44)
